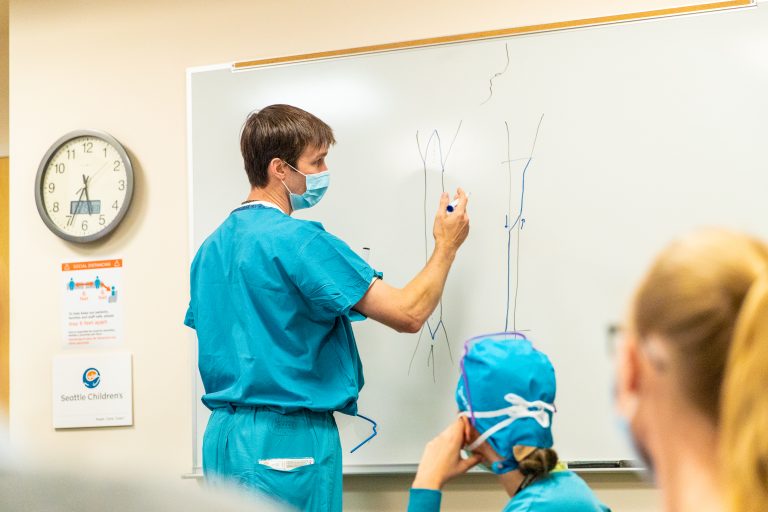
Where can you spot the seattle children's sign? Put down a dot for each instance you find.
(92, 390)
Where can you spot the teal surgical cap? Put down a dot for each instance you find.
(507, 389)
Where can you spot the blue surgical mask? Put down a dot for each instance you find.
(317, 184)
(499, 467)
(639, 452)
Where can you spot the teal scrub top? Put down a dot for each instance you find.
(560, 491)
(271, 300)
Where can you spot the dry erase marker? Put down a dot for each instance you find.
(453, 204)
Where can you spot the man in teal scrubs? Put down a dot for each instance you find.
(272, 301)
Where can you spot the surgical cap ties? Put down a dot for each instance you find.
(519, 408)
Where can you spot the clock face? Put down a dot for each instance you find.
(84, 186)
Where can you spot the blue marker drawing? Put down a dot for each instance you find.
(440, 326)
(519, 223)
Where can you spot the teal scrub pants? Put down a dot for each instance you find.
(268, 452)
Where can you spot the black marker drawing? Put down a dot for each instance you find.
(439, 327)
(495, 76)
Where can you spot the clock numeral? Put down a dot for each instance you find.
(60, 168)
(105, 151)
(70, 219)
(117, 163)
(114, 206)
(121, 185)
(71, 154)
(51, 187)
(102, 220)
(84, 225)
(55, 208)
(87, 147)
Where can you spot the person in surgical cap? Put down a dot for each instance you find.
(505, 396)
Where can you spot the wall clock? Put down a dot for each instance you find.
(84, 185)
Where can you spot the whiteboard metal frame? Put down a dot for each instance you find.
(625, 467)
(196, 464)
(622, 466)
(600, 21)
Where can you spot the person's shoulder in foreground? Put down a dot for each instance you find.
(24, 490)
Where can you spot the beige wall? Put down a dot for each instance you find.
(4, 172)
(4, 294)
(120, 67)
(3, 78)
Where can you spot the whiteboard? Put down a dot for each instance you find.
(649, 129)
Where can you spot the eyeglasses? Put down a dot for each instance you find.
(614, 336)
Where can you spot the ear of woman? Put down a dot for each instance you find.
(521, 452)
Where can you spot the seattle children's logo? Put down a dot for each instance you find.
(91, 378)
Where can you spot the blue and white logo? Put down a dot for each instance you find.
(91, 378)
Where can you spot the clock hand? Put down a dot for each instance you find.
(87, 199)
(99, 171)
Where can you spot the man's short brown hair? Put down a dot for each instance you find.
(279, 131)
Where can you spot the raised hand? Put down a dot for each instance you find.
(442, 459)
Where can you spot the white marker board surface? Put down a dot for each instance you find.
(649, 129)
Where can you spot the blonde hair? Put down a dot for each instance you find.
(706, 295)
